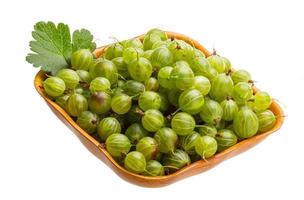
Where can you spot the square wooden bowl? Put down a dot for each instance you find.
(194, 168)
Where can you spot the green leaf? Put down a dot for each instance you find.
(83, 39)
(52, 47)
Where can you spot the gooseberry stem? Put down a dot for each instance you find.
(276, 116)
(199, 125)
(110, 90)
(229, 98)
(229, 72)
(84, 84)
(139, 111)
(47, 75)
(171, 167)
(203, 157)
(214, 52)
(177, 110)
(67, 91)
(251, 82)
(121, 76)
(169, 116)
(217, 121)
(115, 39)
(154, 72)
(137, 54)
(136, 95)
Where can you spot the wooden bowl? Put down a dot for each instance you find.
(194, 168)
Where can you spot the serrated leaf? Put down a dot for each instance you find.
(83, 39)
(52, 47)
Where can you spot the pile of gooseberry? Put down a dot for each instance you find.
(159, 104)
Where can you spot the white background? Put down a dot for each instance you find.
(40, 158)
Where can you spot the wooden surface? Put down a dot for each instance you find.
(194, 168)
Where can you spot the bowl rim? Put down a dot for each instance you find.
(180, 174)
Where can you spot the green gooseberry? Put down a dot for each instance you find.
(82, 90)
(62, 100)
(206, 146)
(161, 34)
(181, 50)
(230, 108)
(183, 123)
(198, 53)
(154, 168)
(227, 64)
(201, 67)
(188, 142)
(82, 59)
(149, 40)
(225, 138)
(191, 101)
(100, 102)
(242, 92)
(152, 84)
(100, 84)
(160, 43)
(135, 162)
(166, 139)
(133, 88)
(245, 123)
(261, 101)
(113, 51)
(176, 160)
(182, 75)
(241, 76)
(122, 67)
(135, 132)
(134, 42)
(217, 63)
(140, 69)
(211, 112)
(147, 54)
(121, 103)
(131, 53)
(70, 77)
(84, 76)
(149, 100)
(161, 57)
(54, 86)
(105, 68)
(108, 126)
(164, 79)
(148, 146)
(266, 120)
(221, 87)
(76, 104)
(212, 74)
(88, 121)
(118, 145)
(207, 129)
(202, 84)
(152, 120)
